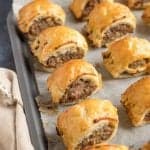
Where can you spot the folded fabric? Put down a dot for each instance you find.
(13, 126)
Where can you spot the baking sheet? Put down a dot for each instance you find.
(112, 88)
(28, 86)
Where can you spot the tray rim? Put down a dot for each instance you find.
(28, 86)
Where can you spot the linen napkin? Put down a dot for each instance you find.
(14, 134)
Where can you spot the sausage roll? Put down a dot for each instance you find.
(127, 57)
(90, 122)
(146, 146)
(38, 15)
(74, 80)
(138, 4)
(106, 147)
(108, 22)
(136, 100)
(82, 8)
(146, 16)
(56, 45)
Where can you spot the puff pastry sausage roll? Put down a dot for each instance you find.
(136, 100)
(38, 15)
(82, 8)
(146, 16)
(56, 45)
(74, 80)
(90, 122)
(108, 22)
(127, 57)
(138, 4)
(106, 147)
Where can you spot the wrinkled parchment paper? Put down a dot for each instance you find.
(112, 88)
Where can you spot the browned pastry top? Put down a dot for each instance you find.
(146, 15)
(63, 76)
(125, 51)
(106, 13)
(78, 6)
(36, 9)
(79, 120)
(136, 99)
(146, 146)
(52, 38)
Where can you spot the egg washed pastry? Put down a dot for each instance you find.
(136, 100)
(106, 147)
(138, 4)
(90, 122)
(127, 57)
(38, 15)
(146, 16)
(57, 45)
(146, 146)
(108, 22)
(74, 80)
(82, 8)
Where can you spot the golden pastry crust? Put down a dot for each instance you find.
(83, 118)
(105, 16)
(63, 76)
(146, 146)
(106, 147)
(137, 4)
(50, 40)
(38, 8)
(146, 15)
(127, 57)
(136, 100)
(78, 7)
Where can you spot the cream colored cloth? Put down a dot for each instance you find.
(14, 133)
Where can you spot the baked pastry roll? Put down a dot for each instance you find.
(146, 146)
(108, 22)
(136, 100)
(74, 80)
(146, 15)
(82, 8)
(106, 147)
(38, 15)
(90, 122)
(127, 57)
(56, 45)
(138, 4)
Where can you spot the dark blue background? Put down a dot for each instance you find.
(6, 58)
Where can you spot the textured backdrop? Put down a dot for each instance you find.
(6, 58)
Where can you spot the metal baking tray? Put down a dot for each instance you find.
(28, 86)
(112, 88)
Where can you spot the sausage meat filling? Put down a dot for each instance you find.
(116, 32)
(59, 59)
(97, 136)
(138, 66)
(147, 117)
(79, 89)
(40, 24)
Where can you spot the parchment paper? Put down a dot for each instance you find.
(112, 88)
